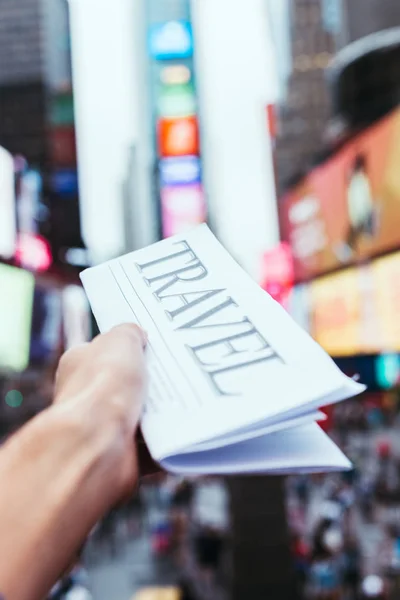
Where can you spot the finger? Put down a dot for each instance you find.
(122, 341)
(130, 331)
(122, 351)
(68, 361)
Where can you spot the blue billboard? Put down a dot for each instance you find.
(65, 182)
(171, 40)
(185, 170)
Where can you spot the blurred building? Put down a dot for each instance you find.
(34, 65)
(237, 82)
(22, 85)
(113, 117)
(37, 111)
(304, 109)
(363, 17)
(315, 31)
(364, 83)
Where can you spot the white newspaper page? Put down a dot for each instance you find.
(222, 355)
(303, 449)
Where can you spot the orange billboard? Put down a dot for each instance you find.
(178, 137)
(336, 313)
(357, 311)
(348, 208)
(385, 275)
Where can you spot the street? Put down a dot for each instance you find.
(133, 568)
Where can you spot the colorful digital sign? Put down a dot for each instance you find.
(385, 286)
(277, 273)
(337, 313)
(62, 109)
(357, 311)
(175, 113)
(182, 208)
(63, 146)
(178, 137)
(64, 182)
(175, 75)
(347, 209)
(33, 252)
(184, 170)
(7, 204)
(387, 367)
(171, 40)
(16, 302)
(176, 101)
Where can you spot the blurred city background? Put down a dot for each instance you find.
(278, 123)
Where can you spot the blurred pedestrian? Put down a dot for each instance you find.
(209, 543)
(303, 490)
(211, 522)
(351, 568)
(365, 497)
(161, 536)
(301, 556)
(328, 532)
(180, 508)
(325, 566)
(325, 578)
(107, 532)
(133, 513)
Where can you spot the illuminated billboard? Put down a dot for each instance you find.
(347, 209)
(171, 40)
(182, 207)
(336, 313)
(385, 286)
(357, 311)
(178, 137)
(7, 205)
(184, 170)
(16, 302)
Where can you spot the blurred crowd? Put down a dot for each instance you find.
(345, 529)
(185, 525)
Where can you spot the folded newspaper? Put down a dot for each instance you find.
(235, 384)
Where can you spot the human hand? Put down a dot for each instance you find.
(100, 386)
(72, 463)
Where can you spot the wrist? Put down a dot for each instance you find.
(62, 484)
(98, 447)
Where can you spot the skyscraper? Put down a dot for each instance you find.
(36, 107)
(22, 95)
(304, 109)
(317, 30)
(34, 64)
(369, 16)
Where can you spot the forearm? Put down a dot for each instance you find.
(55, 464)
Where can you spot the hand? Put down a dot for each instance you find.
(72, 463)
(101, 386)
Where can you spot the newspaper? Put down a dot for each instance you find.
(235, 384)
